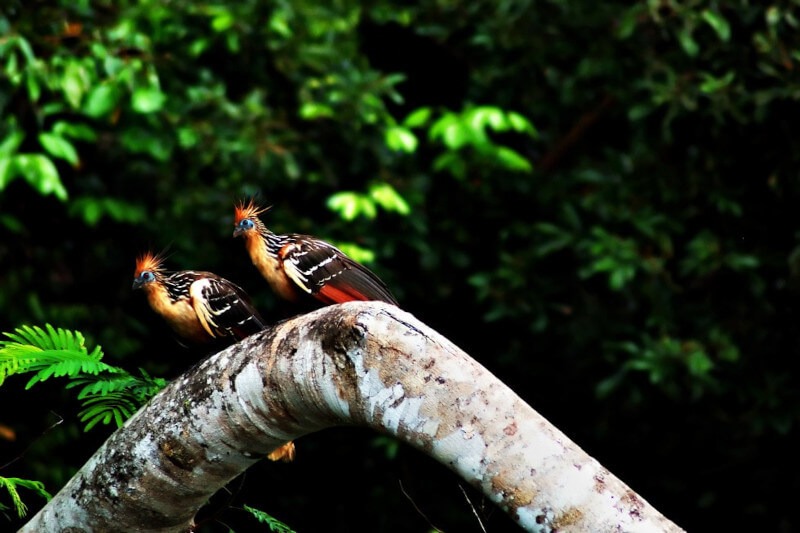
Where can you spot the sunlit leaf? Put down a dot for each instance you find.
(279, 23)
(223, 21)
(11, 142)
(76, 130)
(401, 139)
(345, 203)
(34, 89)
(58, 146)
(41, 173)
(456, 135)
(72, 84)
(418, 117)
(6, 170)
(521, 124)
(312, 110)
(147, 100)
(101, 100)
(356, 252)
(388, 198)
(512, 160)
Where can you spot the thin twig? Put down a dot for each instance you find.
(417, 508)
(474, 511)
(42, 434)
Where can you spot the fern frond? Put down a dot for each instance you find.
(142, 388)
(265, 518)
(110, 394)
(115, 406)
(50, 353)
(10, 484)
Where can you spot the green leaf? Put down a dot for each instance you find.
(34, 89)
(11, 142)
(101, 101)
(75, 130)
(147, 100)
(274, 524)
(313, 110)
(26, 49)
(345, 203)
(401, 139)
(92, 210)
(418, 117)
(388, 198)
(279, 23)
(456, 135)
(58, 146)
(451, 162)
(521, 124)
(512, 160)
(699, 363)
(356, 253)
(140, 140)
(42, 174)
(718, 22)
(222, 22)
(688, 43)
(10, 484)
(481, 117)
(73, 83)
(711, 84)
(742, 261)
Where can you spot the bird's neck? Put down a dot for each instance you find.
(273, 242)
(176, 286)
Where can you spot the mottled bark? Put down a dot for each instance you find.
(366, 364)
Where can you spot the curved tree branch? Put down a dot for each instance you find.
(367, 364)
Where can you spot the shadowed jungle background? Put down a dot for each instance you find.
(596, 200)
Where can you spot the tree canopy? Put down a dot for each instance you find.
(596, 200)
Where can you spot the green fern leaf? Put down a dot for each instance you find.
(108, 393)
(265, 518)
(10, 484)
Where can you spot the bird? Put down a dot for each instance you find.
(302, 267)
(201, 307)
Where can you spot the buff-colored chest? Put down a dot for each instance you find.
(179, 314)
(272, 270)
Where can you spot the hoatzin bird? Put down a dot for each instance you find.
(200, 307)
(300, 267)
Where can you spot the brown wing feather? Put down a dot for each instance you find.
(326, 273)
(224, 308)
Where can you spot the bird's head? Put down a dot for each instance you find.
(148, 269)
(245, 220)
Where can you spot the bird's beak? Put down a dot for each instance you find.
(237, 231)
(137, 284)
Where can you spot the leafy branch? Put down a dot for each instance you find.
(108, 393)
(11, 485)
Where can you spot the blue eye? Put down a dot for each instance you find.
(147, 276)
(246, 224)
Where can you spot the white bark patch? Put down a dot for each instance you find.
(251, 399)
(464, 450)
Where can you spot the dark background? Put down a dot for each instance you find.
(628, 264)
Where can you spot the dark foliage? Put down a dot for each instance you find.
(630, 266)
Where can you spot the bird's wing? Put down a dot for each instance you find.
(323, 271)
(223, 308)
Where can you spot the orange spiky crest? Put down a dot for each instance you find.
(250, 210)
(149, 261)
